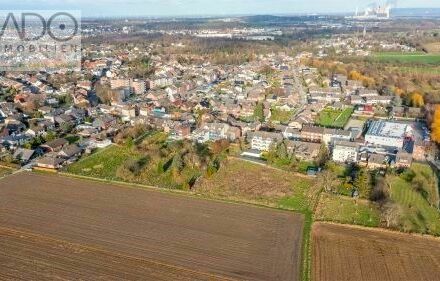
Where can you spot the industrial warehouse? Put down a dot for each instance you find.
(388, 133)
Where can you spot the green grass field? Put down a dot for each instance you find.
(281, 116)
(334, 118)
(346, 210)
(407, 58)
(104, 163)
(417, 214)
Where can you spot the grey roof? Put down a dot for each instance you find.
(51, 161)
(23, 154)
(313, 130)
(56, 143)
(337, 132)
(70, 150)
(377, 158)
(267, 135)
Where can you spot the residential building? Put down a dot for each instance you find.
(312, 133)
(377, 161)
(23, 155)
(331, 135)
(291, 133)
(55, 145)
(403, 159)
(419, 151)
(262, 141)
(70, 151)
(345, 152)
(216, 131)
(50, 162)
(303, 150)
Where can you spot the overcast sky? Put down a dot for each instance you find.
(203, 7)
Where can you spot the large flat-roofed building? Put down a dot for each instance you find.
(387, 133)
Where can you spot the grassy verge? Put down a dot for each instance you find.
(5, 171)
(306, 265)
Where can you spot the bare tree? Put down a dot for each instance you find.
(391, 214)
(329, 181)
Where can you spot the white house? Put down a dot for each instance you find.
(262, 141)
(345, 152)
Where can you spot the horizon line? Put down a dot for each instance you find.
(237, 15)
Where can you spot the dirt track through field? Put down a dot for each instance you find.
(350, 253)
(68, 228)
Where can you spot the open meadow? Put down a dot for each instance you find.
(407, 58)
(353, 253)
(91, 230)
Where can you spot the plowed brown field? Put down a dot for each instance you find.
(54, 227)
(351, 253)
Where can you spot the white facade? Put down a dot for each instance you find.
(384, 141)
(262, 141)
(387, 133)
(332, 135)
(261, 144)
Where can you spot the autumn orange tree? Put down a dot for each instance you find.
(366, 81)
(417, 99)
(435, 126)
(398, 91)
(355, 75)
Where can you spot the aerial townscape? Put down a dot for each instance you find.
(248, 147)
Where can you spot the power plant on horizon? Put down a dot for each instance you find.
(380, 12)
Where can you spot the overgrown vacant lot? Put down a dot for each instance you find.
(244, 181)
(92, 229)
(347, 210)
(153, 161)
(349, 253)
